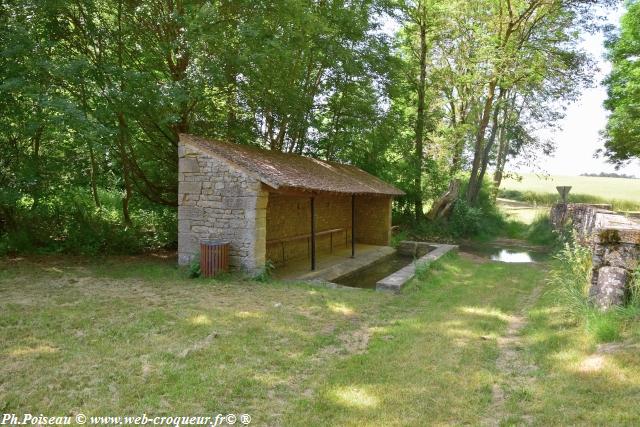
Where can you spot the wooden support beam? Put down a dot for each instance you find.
(313, 233)
(353, 226)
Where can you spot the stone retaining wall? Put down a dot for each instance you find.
(614, 240)
(394, 282)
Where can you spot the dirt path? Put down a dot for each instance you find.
(515, 373)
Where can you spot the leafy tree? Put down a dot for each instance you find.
(531, 43)
(622, 134)
(94, 95)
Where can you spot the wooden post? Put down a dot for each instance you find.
(313, 233)
(353, 226)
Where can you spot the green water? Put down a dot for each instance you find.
(367, 277)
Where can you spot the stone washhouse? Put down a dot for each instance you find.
(276, 206)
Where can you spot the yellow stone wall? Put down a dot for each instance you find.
(289, 216)
(373, 220)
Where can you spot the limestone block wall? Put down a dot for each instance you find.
(615, 244)
(289, 216)
(581, 215)
(616, 255)
(218, 200)
(373, 220)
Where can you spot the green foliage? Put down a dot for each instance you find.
(634, 288)
(570, 278)
(69, 222)
(108, 123)
(194, 267)
(422, 271)
(95, 93)
(467, 220)
(623, 88)
(481, 220)
(265, 274)
(540, 232)
(398, 237)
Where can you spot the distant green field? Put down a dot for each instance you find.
(623, 193)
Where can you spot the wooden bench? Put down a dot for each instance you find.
(307, 236)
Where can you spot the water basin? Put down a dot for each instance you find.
(367, 277)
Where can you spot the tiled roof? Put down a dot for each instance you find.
(291, 171)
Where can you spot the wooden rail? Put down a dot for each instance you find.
(307, 236)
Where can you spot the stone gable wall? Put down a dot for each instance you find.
(219, 201)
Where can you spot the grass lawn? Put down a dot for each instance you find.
(579, 382)
(614, 188)
(126, 336)
(521, 211)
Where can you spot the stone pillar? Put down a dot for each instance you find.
(616, 254)
(610, 288)
(558, 215)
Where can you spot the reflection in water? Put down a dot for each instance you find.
(508, 256)
(505, 253)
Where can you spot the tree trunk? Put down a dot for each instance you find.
(122, 130)
(420, 120)
(92, 157)
(492, 137)
(92, 176)
(442, 207)
(37, 189)
(474, 183)
(456, 161)
(501, 159)
(126, 175)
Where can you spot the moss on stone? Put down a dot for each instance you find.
(609, 236)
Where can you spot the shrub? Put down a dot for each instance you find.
(265, 273)
(571, 277)
(69, 222)
(398, 237)
(194, 267)
(482, 220)
(466, 220)
(540, 232)
(634, 288)
(548, 199)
